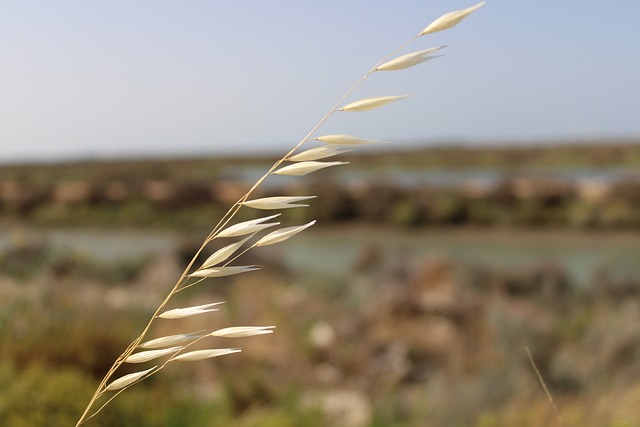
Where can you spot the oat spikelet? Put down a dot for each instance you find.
(282, 234)
(450, 19)
(223, 254)
(346, 139)
(224, 271)
(367, 104)
(304, 168)
(318, 153)
(277, 202)
(242, 331)
(409, 60)
(196, 355)
(128, 379)
(171, 340)
(179, 313)
(248, 227)
(145, 356)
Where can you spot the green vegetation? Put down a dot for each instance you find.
(584, 187)
(404, 342)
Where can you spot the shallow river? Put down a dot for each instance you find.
(330, 251)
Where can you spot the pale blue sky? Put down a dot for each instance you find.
(106, 79)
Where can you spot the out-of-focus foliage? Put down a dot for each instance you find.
(405, 341)
(580, 186)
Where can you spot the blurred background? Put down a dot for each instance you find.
(504, 216)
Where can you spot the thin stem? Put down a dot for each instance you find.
(182, 288)
(544, 387)
(212, 235)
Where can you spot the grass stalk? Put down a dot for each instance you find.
(443, 22)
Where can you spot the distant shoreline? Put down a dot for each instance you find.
(408, 149)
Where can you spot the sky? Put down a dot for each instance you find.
(153, 78)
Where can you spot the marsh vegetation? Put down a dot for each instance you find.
(380, 322)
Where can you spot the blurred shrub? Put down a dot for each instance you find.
(44, 396)
(407, 213)
(57, 330)
(25, 260)
(512, 201)
(446, 208)
(421, 340)
(41, 396)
